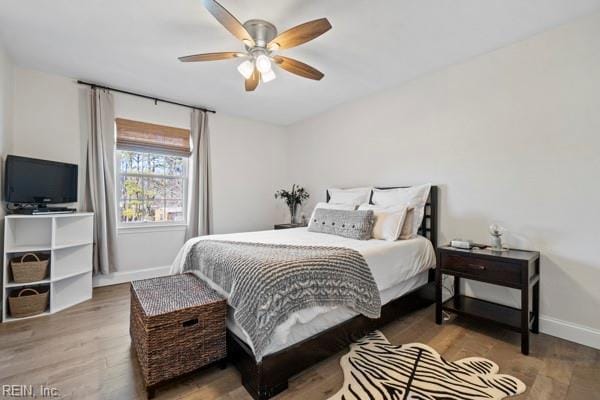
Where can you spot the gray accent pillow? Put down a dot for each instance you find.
(345, 223)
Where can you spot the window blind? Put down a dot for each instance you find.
(143, 136)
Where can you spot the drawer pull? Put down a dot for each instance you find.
(190, 322)
(476, 266)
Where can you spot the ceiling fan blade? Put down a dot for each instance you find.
(300, 34)
(252, 82)
(229, 21)
(298, 68)
(211, 56)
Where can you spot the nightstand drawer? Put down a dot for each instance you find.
(482, 268)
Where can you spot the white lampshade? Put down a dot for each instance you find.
(263, 64)
(268, 76)
(246, 68)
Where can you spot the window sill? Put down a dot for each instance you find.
(149, 228)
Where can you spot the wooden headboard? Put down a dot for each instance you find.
(429, 226)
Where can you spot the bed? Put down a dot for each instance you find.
(400, 269)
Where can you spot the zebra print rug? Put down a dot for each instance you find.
(374, 369)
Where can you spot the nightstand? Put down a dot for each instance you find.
(288, 226)
(517, 269)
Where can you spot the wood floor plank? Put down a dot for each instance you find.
(85, 352)
(545, 388)
(585, 383)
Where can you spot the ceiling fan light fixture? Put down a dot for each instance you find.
(260, 39)
(263, 64)
(268, 76)
(246, 68)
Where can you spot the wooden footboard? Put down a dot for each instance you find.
(265, 379)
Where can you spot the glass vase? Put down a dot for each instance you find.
(293, 213)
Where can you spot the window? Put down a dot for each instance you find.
(151, 188)
(152, 165)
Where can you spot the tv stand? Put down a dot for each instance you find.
(67, 241)
(42, 210)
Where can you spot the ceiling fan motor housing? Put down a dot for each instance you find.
(261, 31)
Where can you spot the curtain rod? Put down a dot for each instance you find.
(156, 99)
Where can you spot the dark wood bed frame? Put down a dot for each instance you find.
(265, 379)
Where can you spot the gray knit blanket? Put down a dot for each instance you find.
(269, 282)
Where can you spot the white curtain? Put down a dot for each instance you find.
(199, 209)
(100, 180)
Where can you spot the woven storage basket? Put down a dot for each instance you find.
(177, 325)
(23, 305)
(28, 271)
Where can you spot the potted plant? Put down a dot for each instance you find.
(293, 199)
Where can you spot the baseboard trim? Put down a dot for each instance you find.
(570, 331)
(128, 276)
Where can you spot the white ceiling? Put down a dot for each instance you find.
(374, 44)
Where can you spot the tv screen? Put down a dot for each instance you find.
(33, 181)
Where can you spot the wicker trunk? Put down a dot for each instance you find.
(177, 325)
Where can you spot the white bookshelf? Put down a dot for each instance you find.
(68, 241)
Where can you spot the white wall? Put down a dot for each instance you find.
(248, 161)
(46, 117)
(512, 136)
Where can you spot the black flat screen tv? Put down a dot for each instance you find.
(33, 181)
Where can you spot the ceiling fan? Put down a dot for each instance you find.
(261, 40)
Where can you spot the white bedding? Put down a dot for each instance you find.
(391, 264)
(299, 327)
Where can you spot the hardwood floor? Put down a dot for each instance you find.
(85, 353)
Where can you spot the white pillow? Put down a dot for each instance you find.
(350, 207)
(353, 196)
(407, 228)
(413, 197)
(388, 221)
(333, 206)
